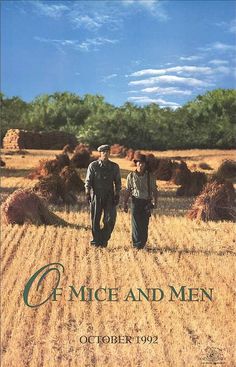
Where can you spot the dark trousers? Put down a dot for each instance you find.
(139, 220)
(102, 205)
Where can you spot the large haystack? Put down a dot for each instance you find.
(191, 183)
(227, 169)
(24, 206)
(214, 203)
(51, 188)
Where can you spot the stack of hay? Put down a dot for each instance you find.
(58, 181)
(23, 139)
(191, 183)
(214, 203)
(129, 154)
(24, 206)
(227, 170)
(67, 149)
(118, 150)
(60, 188)
(82, 156)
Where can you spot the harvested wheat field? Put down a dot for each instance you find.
(180, 311)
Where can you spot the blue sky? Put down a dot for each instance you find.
(166, 52)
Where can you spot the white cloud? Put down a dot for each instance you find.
(146, 100)
(154, 7)
(176, 69)
(172, 79)
(218, 62)
(52, 10)
(167, 91)
(94, 20)
(190, 58)
(228, 26)
(223, 47)
(92, 44)
(109, 77)
(218, 46)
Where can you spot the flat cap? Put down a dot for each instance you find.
(103, 148)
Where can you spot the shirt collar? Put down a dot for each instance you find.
(103, 163)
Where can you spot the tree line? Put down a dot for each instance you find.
(208, 121)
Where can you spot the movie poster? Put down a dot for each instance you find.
(152, 76)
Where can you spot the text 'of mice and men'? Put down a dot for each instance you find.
(45, 286)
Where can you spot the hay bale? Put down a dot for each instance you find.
(72, 183)
(83, 147)
(72, 180)
(129, 154)
(81, 159)
(67, 149)
(118, 150)
(227, 169)
(191, 183)
(45, 168)
(51, 188)
(24, 206)
(63, 160)
(214, 203)
(50, 166)
(164, 169)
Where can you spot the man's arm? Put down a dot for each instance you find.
(127, 192)
(89, 182)
(117, 180)
(154, 190)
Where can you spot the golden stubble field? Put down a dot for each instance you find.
(179, 253)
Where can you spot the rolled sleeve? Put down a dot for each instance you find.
(128, 183)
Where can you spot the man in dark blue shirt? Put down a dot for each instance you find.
(102, 188)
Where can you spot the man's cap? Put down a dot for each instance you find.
(140, 158)
(104, 148)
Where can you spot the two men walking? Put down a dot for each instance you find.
(102, 188)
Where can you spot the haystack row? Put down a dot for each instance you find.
(23, 139)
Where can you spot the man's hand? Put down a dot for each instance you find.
(126, 207)
(116, 199)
